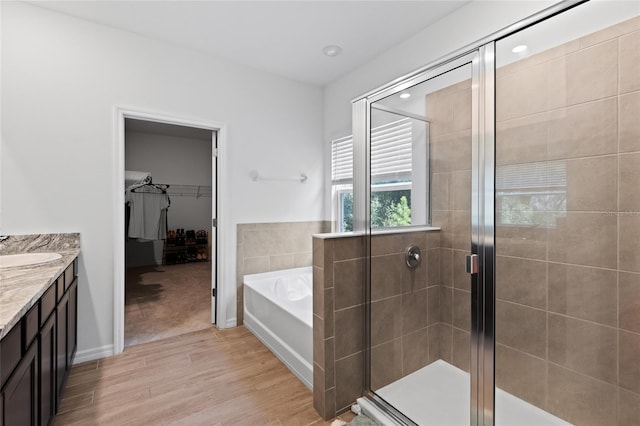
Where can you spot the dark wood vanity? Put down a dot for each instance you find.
(36, 354)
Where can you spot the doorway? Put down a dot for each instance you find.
(169, 188)
(192, 246)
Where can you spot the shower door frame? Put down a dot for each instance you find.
(482, 131)
(482, 244)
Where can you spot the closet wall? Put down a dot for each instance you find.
(174, 155)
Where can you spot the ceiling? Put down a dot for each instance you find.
(281, 37)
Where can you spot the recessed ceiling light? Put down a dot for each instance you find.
(332, 50)
(520, 48)
(405, 95)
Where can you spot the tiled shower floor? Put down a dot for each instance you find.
(439, 394)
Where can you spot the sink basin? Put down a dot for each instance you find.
(27, 259)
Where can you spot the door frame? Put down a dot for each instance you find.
(221, 212)
(481, 347)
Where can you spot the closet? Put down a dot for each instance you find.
(169, 186)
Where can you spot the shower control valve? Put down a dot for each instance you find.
(413, 257)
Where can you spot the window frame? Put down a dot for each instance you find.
(397, 132)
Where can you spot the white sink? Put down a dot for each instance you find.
(27, 259)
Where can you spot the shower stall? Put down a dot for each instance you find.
(518, 299)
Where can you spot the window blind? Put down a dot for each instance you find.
(391, 150)
(342, 161)
(390, 153)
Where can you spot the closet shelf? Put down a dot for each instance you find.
(189, 190)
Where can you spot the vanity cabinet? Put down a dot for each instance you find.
(37, 354)
(47, 371)
(21, 391)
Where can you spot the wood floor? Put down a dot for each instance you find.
(207, 377)
(166, 301)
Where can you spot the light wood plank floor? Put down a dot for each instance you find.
(207, 377)
(166, 301)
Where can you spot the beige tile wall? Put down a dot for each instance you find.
(264, 247)
(405, 307)
(568, 296)
(568, 309)
(449, 111)
(338, 323)
(404, 315)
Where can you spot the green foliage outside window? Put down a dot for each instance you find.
(347, 211)
(388, 209)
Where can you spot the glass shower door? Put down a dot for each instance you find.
(542, 325)
(568, 219)
(421, 140)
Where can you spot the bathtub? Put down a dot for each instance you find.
(278, 310)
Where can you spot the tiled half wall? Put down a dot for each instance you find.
(404, 311)
(265, 247)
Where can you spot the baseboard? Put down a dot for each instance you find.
(230, 323)
(93, 354)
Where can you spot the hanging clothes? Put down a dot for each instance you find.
(148, 212)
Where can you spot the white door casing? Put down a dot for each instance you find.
(220, 192)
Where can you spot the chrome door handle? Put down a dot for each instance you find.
(471, 264)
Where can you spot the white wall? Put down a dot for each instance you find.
(61, 78)
(175, 161)
(463, 27)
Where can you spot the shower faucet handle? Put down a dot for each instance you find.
(413, 257)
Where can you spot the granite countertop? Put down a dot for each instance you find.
(21, 287)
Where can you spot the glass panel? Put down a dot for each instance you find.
(399, 146)
(568, 219)
(420, 318)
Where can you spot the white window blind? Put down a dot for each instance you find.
(342, 161)
(391, 150)
(390, 153)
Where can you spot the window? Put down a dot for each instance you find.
(391, 157)
(342, 183)
(391, 168)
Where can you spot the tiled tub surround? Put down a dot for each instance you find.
(568, 291)
(266, 247)
(21, 287)
(400, 325)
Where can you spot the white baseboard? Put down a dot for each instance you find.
(230, 323)
(93, 354)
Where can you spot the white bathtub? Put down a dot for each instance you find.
(278, 310)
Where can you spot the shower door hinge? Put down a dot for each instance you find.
(214, 293)
(214, 223)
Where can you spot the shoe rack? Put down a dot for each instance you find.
(185, 247)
